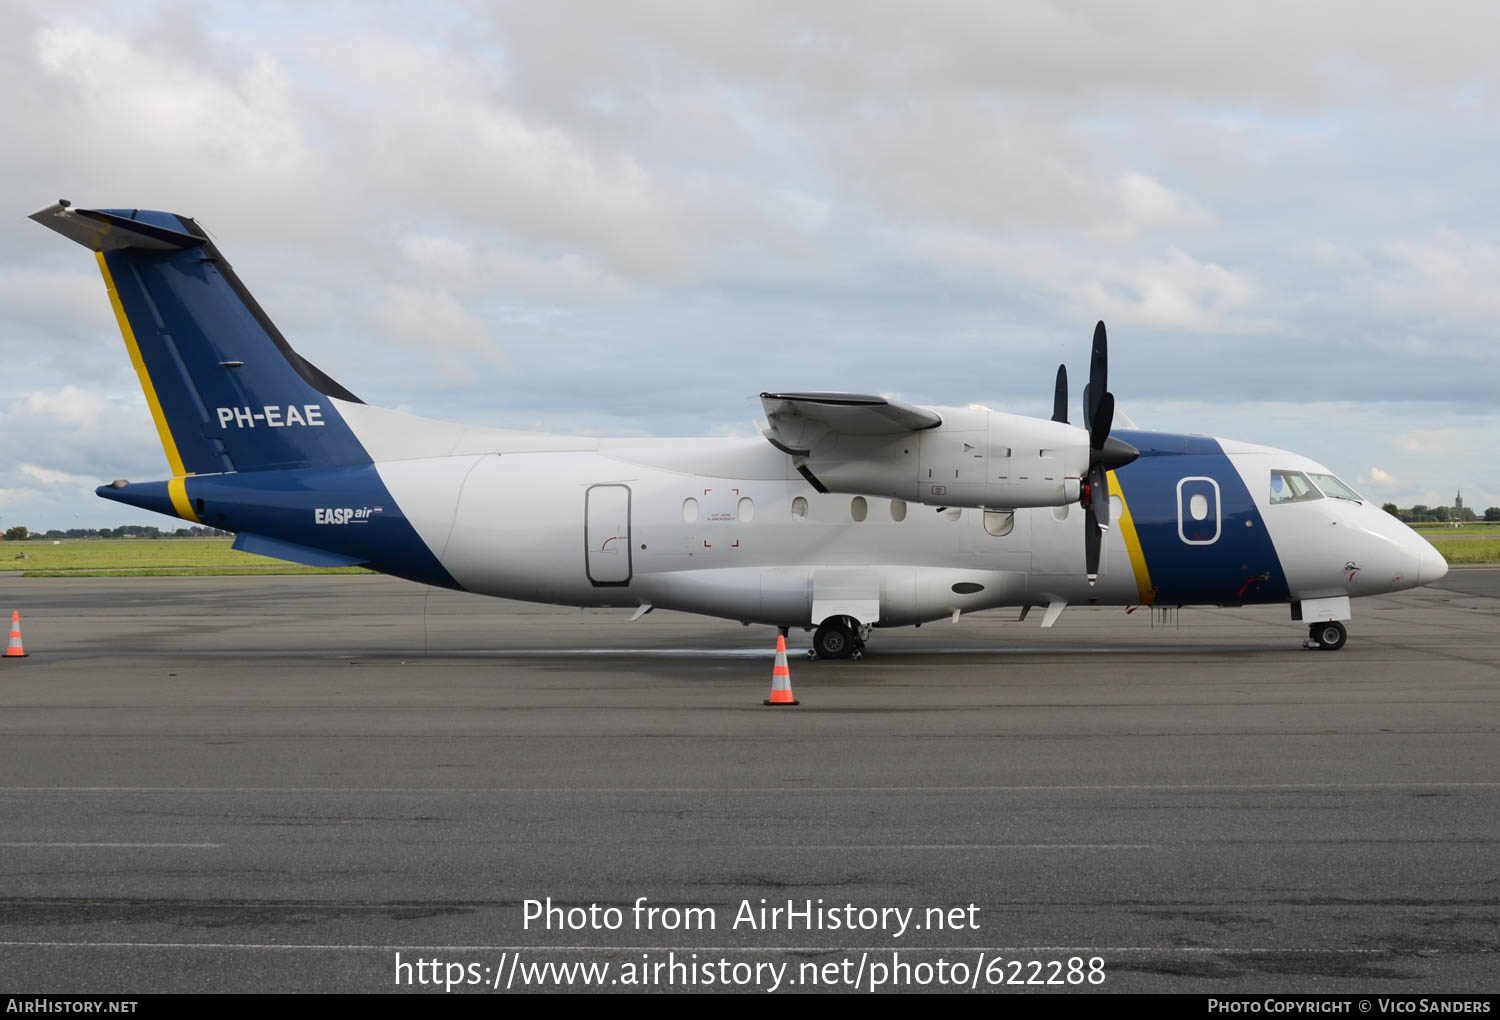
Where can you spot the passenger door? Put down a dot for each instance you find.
(606, 536)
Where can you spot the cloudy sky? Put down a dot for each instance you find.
(632, 217)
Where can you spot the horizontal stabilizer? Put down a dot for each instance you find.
(260, 545)
(102, 231)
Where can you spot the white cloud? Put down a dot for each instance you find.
(437, 326)
(1375, 478)
(1443, 278)
(471, 271)
(1149, 205)
(51, 476)
(629, 217)
(1175, 291)
(161, 113)
(73, 428)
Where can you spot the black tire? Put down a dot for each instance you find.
(1329, 636)
(834, 640)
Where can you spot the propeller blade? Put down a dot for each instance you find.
(1099, 487)
(1105, 454)
(1104, 416)
(1098, 372)
(1060, 396)
(1091, 542)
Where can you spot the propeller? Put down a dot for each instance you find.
(1105, 453)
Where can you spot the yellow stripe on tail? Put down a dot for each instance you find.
(174, 459)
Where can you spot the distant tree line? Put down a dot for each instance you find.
(20, 533)
(1422, 514)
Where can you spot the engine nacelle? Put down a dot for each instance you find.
(975, 458)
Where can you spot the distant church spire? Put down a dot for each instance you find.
(1458, 501)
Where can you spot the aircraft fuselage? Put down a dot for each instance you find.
(727, 527)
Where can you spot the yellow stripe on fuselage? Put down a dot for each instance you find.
(174, 459)
(177, 489)
(1133, 545)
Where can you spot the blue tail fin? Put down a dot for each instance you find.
(226, 390)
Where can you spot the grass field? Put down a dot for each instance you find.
(171, 557)
(144, 557)
(1473, 543)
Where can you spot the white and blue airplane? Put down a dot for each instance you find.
(850, 512)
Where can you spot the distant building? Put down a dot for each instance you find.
(1458, 501)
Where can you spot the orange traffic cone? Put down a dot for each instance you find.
(781, 677)
(14, 649)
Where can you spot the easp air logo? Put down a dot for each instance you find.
(344, 514)
(272, 416)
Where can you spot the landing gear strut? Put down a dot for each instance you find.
(1329, 636)
(839, 638)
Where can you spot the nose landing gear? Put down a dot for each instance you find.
(1327, 637)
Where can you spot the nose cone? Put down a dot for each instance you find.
(1430, 563)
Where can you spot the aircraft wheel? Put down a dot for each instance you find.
(1329, 636)
(834, 640)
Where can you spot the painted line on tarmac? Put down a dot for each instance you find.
(722, 790)
(542, 949)
(956, 846)
(113, 846)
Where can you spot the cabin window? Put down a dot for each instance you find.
(954, 513)
(799, 508)
(746, 509)
(1292, 487)
(859, 508)
(999, 522)
(1060, 512)
(690, 510)
(898, 510)
(1198, 506)
(1117, 508)
(1331, 486)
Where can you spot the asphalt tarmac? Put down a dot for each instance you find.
(279, 784)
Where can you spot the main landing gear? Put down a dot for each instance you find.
(839, 638)
(1328, 637)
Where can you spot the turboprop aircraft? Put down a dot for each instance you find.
(850, 512)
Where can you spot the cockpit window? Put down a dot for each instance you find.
(1331, 486)
(1292, 487)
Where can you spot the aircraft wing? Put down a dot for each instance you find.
(798, 420)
